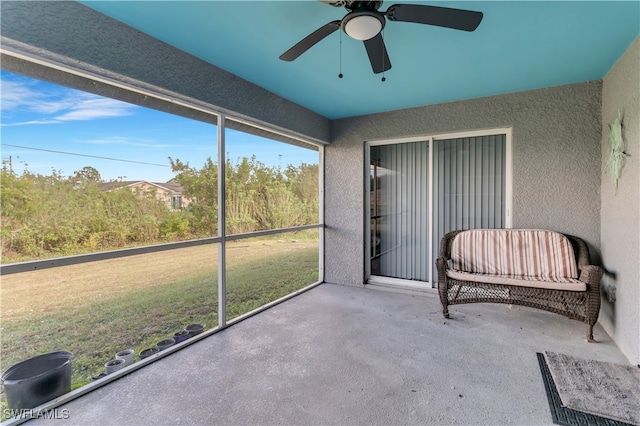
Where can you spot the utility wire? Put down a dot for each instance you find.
(85, 155)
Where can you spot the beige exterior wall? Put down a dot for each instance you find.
(163, 194)
(620, 215)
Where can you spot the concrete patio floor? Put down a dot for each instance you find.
(350, 356)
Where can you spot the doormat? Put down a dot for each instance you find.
(586, 392)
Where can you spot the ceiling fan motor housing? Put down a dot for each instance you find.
(354, 5)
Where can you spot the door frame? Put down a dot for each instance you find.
(431, 139)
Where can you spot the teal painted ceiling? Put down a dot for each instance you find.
(519, 45)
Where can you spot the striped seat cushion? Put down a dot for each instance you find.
(537, 254)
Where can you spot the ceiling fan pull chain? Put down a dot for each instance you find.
(382, 56)
(340, 75)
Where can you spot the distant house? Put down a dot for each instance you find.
(168, 192)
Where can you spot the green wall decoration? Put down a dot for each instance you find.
(615, 159)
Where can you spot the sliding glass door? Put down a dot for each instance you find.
(469, 185)
(418, 190)
(399, 210)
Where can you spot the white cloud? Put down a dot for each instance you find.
(30, 102)
(14, 95)
(28, 123)
(127, 141)
(95, 107)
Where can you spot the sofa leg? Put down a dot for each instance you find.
(590, 338)
(445, 311)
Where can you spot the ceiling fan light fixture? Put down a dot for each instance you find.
(362, 26)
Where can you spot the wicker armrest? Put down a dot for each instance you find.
(444, 261)
(442, 264)
(591, 274)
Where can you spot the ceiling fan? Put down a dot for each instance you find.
(365, 22)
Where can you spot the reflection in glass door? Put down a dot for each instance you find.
(399, 210)
(469, 185)
(419, 190)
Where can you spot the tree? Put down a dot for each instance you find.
(86, 174)
(201, 187)
(56, 215)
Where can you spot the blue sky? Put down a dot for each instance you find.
(39, 117)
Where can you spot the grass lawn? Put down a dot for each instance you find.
(97, 309)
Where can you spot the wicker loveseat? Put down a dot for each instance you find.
(536, 268)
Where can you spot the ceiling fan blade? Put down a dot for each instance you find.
(309, 41)
(458, 19)
(377, 52)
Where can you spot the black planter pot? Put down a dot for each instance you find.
(148, 352)
(181, 336)
(37, 380)
(164, 344)
(194, 329)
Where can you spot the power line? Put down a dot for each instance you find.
(85, 155)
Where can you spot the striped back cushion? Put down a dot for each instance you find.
(514, 252)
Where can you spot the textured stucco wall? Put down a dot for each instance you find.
(556, 164)
(620, 233)
(73, 34)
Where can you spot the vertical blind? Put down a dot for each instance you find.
(469, 178)
(469, 192)
(400, 210)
